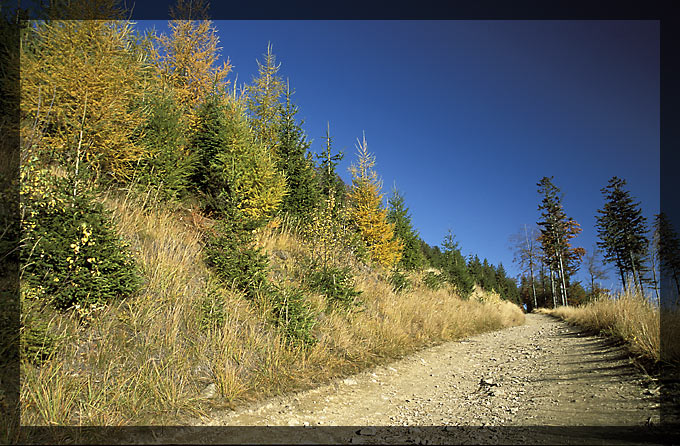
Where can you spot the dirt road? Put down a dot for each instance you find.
(543, 373)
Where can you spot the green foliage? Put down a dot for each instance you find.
(330, 183)
(400, 281)
(167, 165)
(209, 138)
(293, 314)
(70, 248)
(455, 268)
(621, 228)
(293, 161)
(229, 251)
(668, 247)
(433, 280)
(234, 169)
(263, 102)
(336, 284)
(412, 256)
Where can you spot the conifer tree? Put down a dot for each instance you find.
(556, 231)
(79, 82)
(368, 213)
(398, 215)
(186, 60)
(668, 245)
(234, 170)
(263, 99)
(330, 182)
(454, 266)
(167, 164)
(294, 162)
(621, 228)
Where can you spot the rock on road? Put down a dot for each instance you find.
(543, 373)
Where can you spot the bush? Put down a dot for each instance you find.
(400, 281)
(70, 248)
(230, 252)
(167, 165)
(293, 314)
(336, 284)
(433, 281)
(213, 312)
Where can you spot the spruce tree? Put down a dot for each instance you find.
(668, 246)
(234, 169)
(455, 268)
(293, 161)
(621, 228)
(398, 214)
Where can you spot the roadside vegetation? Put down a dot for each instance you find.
(632, 318)
(183, 249)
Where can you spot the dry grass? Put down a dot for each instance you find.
(147, 359)
(631, 318)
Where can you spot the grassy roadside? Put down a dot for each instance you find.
(631, 318)
(187, 344)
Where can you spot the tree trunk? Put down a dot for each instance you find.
(656, 282)
(531, 264)
(552, 287)
(636, 279)
(564, 283)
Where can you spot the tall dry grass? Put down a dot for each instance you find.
(151, 359)
(632, 318)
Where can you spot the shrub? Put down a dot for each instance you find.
(336, 284)
(293, 314)
(213, 312)
(400, 281)
(69, 245)
(433, 280)
(167, 165)
(230, 252)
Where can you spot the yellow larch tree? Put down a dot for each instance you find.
(368, 212)
(187, 60)
(80, 81)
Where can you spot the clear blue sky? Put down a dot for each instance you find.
(467, 116)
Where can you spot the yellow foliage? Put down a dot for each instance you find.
(79, 80)
(368, 212)
(327, 235)
(186, 60)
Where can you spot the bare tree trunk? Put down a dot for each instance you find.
(80, 143)
(656, 282)
(552, 287)
(564, 283)
(636, 280)
(531, 264)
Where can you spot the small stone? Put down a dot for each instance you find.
(209, 392)
(281, 255)
(367, 431)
